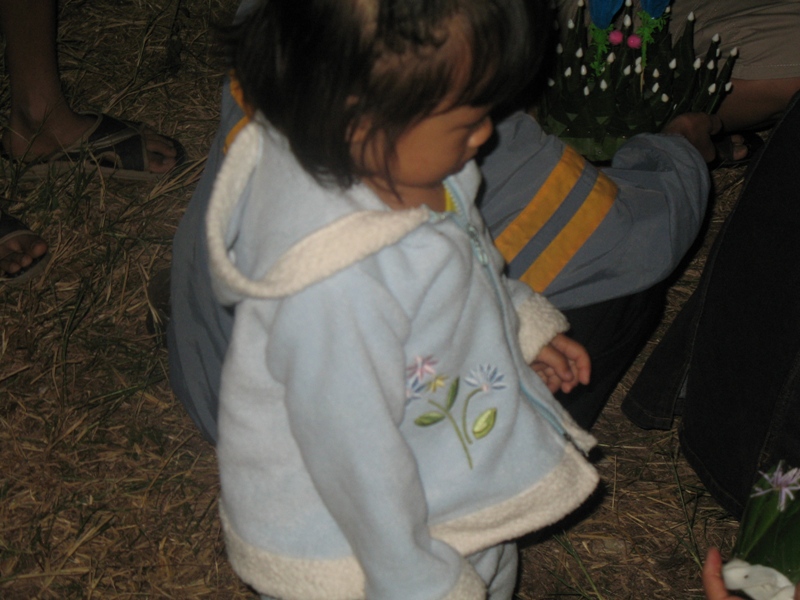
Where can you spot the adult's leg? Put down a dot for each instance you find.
(41, 120)
(756, 103)
(613, 332)
(742, 408)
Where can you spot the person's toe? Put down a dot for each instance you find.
(739, 147)
(20, 252)
(161, 152)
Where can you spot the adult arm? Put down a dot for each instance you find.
(596, 235)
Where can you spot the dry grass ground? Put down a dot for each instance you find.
(107, 490)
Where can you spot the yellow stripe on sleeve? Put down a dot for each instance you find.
(543, 205)
(572, 238)
(238, 95)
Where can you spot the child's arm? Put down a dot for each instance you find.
(563, 364)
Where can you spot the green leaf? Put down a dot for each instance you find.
(451, 394)
(429, 418)
(769, 536)
(484, 423)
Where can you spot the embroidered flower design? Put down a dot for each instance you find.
(422, 366)
(484, 379)
(784, 484)
(414, 389)
(437, 382)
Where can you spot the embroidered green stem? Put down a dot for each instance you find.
(464, 414)
(450, 418)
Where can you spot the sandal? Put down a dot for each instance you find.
(112, 146)
(10, 229)
(726, 147)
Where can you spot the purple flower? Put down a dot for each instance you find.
(485, 378)
(615, 37)
(785, 484)
(654, 8)
(602, 13)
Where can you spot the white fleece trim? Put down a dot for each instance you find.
(539, 322)
(469, 586)
(561, 491)
(549, 500)
(323, 253)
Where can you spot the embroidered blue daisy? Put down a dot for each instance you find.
(414, 389)
(485, 378)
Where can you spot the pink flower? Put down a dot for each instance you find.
(785, 484)
(634, 41)
(616, 37)
(422, 366)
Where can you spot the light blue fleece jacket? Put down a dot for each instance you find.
(378, 419)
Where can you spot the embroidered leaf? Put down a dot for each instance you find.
(429, 418)
(484, 423)
(451, 394)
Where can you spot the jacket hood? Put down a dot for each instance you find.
(325, 251)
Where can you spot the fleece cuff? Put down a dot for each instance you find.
(539, 322)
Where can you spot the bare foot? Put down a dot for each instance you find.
(738, 147)
(19, 248)
(28, 139)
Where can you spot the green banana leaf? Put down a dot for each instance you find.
(769, 533)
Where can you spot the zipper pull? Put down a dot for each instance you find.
(477, 247)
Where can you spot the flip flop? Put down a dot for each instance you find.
(11, 228)
(112, 146)
(725, 149)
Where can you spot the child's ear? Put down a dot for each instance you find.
(359, 130)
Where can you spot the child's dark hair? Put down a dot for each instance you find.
(315, 68)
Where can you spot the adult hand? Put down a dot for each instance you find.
(563, 364)
(714, 584)
(698, 129)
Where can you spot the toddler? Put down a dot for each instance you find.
(381, 433)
